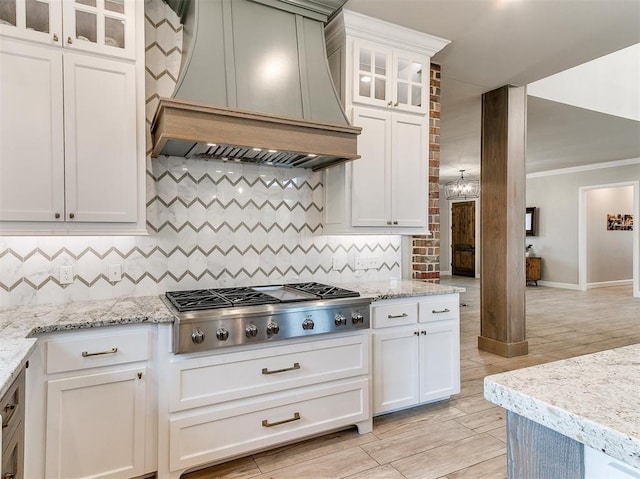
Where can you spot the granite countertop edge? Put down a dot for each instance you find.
(19, 325)
(593, 429)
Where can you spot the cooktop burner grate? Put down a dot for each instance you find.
(202, 299)
(324, 291)
(217, 298)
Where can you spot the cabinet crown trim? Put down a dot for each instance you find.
(369, 28)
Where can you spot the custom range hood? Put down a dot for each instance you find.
(255, 86)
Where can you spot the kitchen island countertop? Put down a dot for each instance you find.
(593, 399)
(19, 325)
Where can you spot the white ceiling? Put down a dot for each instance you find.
(516, 42)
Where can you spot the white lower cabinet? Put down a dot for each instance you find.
(232, 402)
(598, 465)
(221, 432)
(417, 361)
(91, 405)
(96, 425)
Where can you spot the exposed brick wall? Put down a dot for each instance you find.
(425, 254)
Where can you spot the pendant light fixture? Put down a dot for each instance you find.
(462, 189)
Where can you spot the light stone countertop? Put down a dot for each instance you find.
(20, 325)
(399, 288)
(593, 399)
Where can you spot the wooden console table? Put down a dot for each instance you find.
(533, 269)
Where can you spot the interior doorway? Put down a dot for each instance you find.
(583, 250)
(463, 238)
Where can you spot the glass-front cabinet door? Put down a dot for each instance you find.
(390, 78)
(104, 26)
(411, 82)
(372, 74)
(36, 20)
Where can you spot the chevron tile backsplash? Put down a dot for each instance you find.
(210, 223)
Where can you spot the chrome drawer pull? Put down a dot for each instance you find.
(275, 371)
(445, 310)
(394, 316)
(266, 423)
(85, 354)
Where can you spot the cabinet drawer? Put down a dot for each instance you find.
(439, 308)
(99, 349)
(224, 432)
(223, 377)
(395, 314)
(12, 407)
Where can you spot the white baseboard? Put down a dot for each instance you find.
(609, 284)
(445, 273)
(553, 284)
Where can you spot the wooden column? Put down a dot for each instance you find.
(502, 212)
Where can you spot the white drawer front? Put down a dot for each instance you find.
(95, 350)
(223, 377)
(439, 308)
(395, 314)
(224, 432)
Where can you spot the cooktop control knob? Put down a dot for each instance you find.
(197, 336)
(222, 334)
(251, 331)
(357, 318)
(340, 320)
(308, 324)
(273, 328)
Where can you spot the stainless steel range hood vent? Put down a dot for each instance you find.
(255, 87)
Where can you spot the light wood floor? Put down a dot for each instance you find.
(463, 438)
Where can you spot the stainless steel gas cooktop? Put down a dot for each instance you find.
(213, 318)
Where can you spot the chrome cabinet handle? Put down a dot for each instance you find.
(266, 423)
(416, 333)
(275, 371)
(86, 354)
(424, 333)
(445, 310)
(394, 316)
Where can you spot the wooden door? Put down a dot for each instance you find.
(463, 238)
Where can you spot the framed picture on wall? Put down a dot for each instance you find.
(530, 222)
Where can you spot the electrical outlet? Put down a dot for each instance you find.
(66, 274)
(115, 272)
(373, 263)
(360, 263)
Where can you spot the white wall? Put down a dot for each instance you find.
(556, 195)
(609, 253)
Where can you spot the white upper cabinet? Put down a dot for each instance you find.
(98, 26)
(381, 73)
(71, 117)
(390, 78)
(388, 186)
